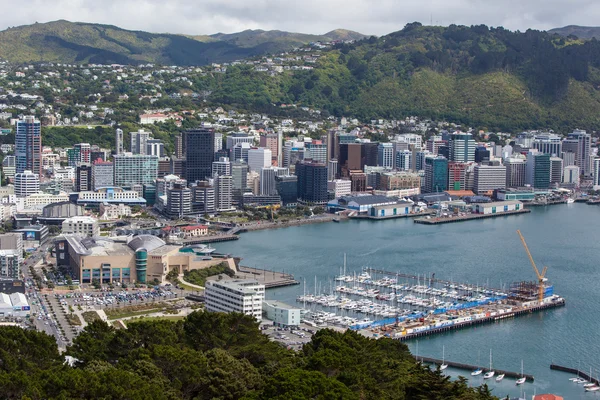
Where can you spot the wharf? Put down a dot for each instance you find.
(593, 202)
(209, 239)
(574, 371)
(271, 279)
(468, 367)
(447, 220)
(481, 321)
(415, 215)
(545, 203)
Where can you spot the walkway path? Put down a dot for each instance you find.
(180, 277)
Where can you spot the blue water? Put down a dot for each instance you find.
(564, 237)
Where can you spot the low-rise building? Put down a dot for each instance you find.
(340, 187)
(281, 314)
(14, 305)
(111, 195)
(194, 231)
(391, 210)
(10, 264)
(85, 226)
(238, 295)
(33, 235)
(114, 211)
(496, 207)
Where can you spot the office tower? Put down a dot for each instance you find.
(119, 141)
(267, 179)
(9, 167)
(84, 151)
(399, 180)
(556, 170)
(254, 182)
(166, 182)
(258, 158)
(418, 159)
(568, 158)
(223, 192)
(339, 188)
(488, 178)
(580, 143)
(155, 147)
(332, 169)
(28, 145)
(548, 143)
(221, 153)
(272, 142)
(596, 173)
(403, 160)
(179, 146)
(221, 167)
(177, 166)
(411, 139)
(571, 175)
(370, 153)
(312, 182)
(537, 174)
(26, 183)
(287, 189)
(139, 142)
(83, 178)
(316, 151)
(457, 175)
(239, 184)
(433, 144)
(515, 172)
(203, 197)
(351, 158)
(482, 154)
(436, 174)
(218, 141)
(332, 145)
(200, 150)
(179, 199)
(525, 139)
(461, 147)
(238, 137)
(240, 152)
(136, 169)
(292, 154)
(385, 155)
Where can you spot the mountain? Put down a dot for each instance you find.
(74, 42)
(582, 32)
(489, 78)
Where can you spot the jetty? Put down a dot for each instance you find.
(209, 239)
(468, 217)
(575, 371)
(271, 279)
(469, 367)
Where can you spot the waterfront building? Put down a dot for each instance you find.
(358, 180)
(461, 147)
(399, 180)
(238, 295)
(203, 197)
(596, 173)
(457, 175)
(258, 158)
(436, 174)
(102, 174)
(385, 155)
(26, 183)
(515, 172)
(496, 207)
(556, 170)
(339, 187)
(119, 142)
(130, 170)
(282, 314)
(360, 204)
(267, 179)
(287, 189)
(312, 182)
(81, 225)
(489, 178)
(28, 145)
(537, 174)
(571, 175)
(200, 153)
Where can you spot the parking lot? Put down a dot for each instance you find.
(292, 338)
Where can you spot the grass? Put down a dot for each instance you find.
(90, 316)
(162, 318)
(73, 319)
(199, 276)
(133, 311)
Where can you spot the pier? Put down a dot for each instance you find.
(469, 217)
(271, 279)
(468, 367)
(375, 218)
(574, 371)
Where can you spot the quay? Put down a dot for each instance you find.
(468, 367)
(574, 371)
(449, 219)
(376, 218)
(271, 279)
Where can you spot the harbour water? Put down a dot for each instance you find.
(562, 237)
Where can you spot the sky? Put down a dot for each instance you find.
(374, 17)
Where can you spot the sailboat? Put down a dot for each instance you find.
(444, 365)
(478, 371)
(491, 372)
(590, 384)
(499, 377)
(522, 379)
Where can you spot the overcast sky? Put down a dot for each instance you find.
(376, 17)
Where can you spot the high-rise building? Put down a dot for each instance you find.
(200, 150)
(287, 189)
(102, 174)
(403, 160)
(312, 182)
(316, 151)
(548, 143)
(139, 142)
(28, 145)
(238, 137)
(482, 154)
(203, 197)
(434, 143)
(179, 153)
(241, 296)
(568, 158)
(26, 183)
(457, 175)
(351, 158)
(179, 199)
(385, 155)
(339, 187)
(489, 178)
(239, 175)
(412, 139)
(556, 170)
(84, 151)
(258, 158)
(436, 174)
(461, 147)
(223, 192)
(119, 141)
(582, 142)
(537, 173)
(155, 147)
(10, 264)
(9, 167)
(515, 172)
(136, 169)
(240, 152)
(83, 177)
(332, 169)
(596, 173)
(271, 141)
(221, 167)
(267, 179)
(571, 175)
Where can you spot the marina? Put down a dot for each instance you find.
(469, 367)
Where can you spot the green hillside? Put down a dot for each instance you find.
(582, 32)
(75, 42)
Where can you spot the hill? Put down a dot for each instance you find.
(490, 78)
(582, 32)
(76, 42)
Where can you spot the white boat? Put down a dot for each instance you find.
(573, 379)
(580, 380)
(592, 388)
(570, 201)
(522, 379)
(444, 365)
(587, 385)
(491, 372)
(478, 371)
(499, 377)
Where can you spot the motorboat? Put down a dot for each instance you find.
(499, 377)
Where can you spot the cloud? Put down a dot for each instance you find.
(310, 16)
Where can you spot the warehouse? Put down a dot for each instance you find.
(390, 210)
(496, 207)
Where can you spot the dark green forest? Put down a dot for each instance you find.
(215, 356)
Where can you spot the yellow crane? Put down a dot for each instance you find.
(541, 276)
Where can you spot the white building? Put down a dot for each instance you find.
(571, 175)
(340, 187)
(497, 207)
(14, 305)
(26, 183)
(281, 314)
(114, 211)
(259, 158)
(240, 295)
(37, 201)
(596, 173)
(385, 155)
(488, 178)
(86, 226)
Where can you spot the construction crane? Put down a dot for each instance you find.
(541, 277)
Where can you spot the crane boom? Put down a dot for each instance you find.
(537, 271)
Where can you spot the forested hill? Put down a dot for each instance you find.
(486, 77)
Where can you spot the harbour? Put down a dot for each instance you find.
(470, 367)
